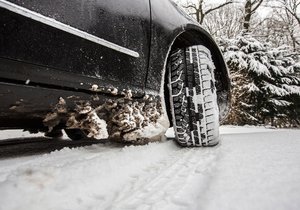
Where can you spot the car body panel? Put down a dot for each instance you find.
(60, 54)
(40, 63)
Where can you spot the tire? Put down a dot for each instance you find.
(75, 134)
(193, 97)
(55, 133)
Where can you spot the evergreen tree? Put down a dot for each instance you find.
(266, 83)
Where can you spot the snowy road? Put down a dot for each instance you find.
(252, 168)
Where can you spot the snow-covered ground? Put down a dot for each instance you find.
(252, 168)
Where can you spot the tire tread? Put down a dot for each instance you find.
(196, 124)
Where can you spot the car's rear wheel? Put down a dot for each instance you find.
(75, 134)
(55, 133)
(193, 97)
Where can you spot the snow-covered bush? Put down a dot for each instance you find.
(265, 80)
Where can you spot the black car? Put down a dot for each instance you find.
(119, 69)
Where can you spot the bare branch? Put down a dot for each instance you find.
(257, 5)
(192, 6)
(218, 7)
(294, 14)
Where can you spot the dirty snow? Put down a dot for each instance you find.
(122, 119)
(252, 168)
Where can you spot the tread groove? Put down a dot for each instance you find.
(193, 99)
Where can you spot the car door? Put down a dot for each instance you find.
(75, 43)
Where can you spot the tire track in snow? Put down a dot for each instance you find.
(154, 176)
(163, 185)
(96, 173)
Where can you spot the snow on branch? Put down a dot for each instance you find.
(275, 90)
(258, 68)
(279, 102)
(252, 88)
(265, 80)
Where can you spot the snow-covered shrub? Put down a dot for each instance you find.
(265, 83)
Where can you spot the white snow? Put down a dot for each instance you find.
(94, 87)
(258, 68)
(99, 131)
(251, 87)
(275, 89)
(10, 134)
(114, 91)
(252, 168)
(153, 131)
